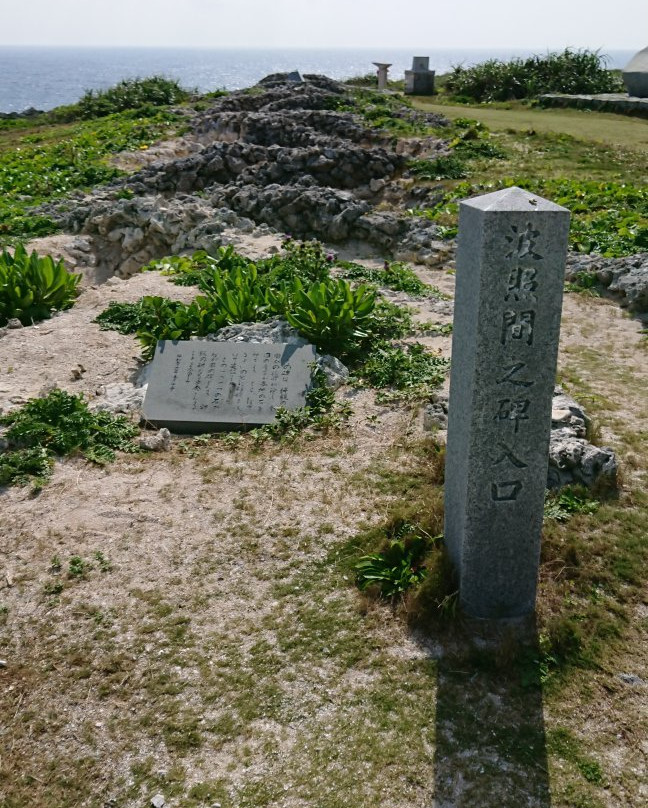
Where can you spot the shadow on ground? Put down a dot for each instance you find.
(490, 749)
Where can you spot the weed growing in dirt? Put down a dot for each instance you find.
(394, 275)
(407, 373)
(561, 505)
(585, 283)
(321, 414)
(77, 567)
(58, 425)
(397, 566)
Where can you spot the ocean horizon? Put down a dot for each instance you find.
(48, 77)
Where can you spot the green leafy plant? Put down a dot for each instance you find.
(58, 425)
(394, 275)
(130, 94)
(562, 505)
(411, 372)
(172, 320)
(585, 283)
(32, 287)
(399, 564)
(237, 295)
(572, 71)
(450, 167)
(330, 313)
(154, 318)
(198, 269)
(126, 318)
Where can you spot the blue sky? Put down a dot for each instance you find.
(328, 23)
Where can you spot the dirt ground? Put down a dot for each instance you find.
(211, 650)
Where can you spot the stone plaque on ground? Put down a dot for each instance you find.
(199, 386)
(510, 273)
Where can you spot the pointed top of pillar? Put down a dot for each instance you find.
(512, 199)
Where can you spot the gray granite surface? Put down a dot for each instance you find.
(198, 386)
(510, 268)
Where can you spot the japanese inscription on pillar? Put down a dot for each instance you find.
(510, 270)
(513, 404)
(200, 384)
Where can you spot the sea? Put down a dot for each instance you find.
(44, 78)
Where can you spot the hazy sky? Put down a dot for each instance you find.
(538, 25)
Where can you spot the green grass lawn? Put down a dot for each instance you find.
(601, 127)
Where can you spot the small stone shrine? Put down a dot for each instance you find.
(420, 79)
(511, 255)
(635, 75)
(200, 386)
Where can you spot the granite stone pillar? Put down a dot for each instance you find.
(510, 272)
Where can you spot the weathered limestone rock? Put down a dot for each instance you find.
(626, 277)
(160, 442)
(572, 459)
(119, 397)
(510, 270)
(284, 157)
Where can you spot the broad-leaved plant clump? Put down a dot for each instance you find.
(351, 322)
(398, 566)
(32, 287)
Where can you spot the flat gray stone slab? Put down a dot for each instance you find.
(200, 386)
(607, 102)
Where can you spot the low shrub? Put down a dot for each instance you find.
(155, 91)
(449, 167)
(58, 425)
(572, 71)
(32, 287)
